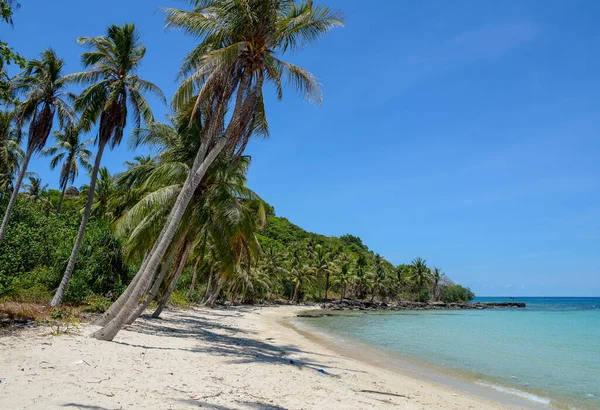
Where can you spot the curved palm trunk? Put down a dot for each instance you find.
(109, 331)
(203, 160)
(154, 290)
(62, 196)
(295, 295)
(212, 299)
(173, 284)
(62, 288)
(15, 194)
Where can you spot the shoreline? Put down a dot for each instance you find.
(478, 385)
(231, 358)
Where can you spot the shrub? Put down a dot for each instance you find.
(456, 293)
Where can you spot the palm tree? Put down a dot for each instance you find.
(73, 153)
(11, 154)
(218, 217)
(300, 273)
(421, 274)
(379, 275)
(361, 276)
(104, 194)
(436, 277)
(237, 53)
(321, 258)
(115, 88)
(44, 85)
(343, 276)
(35, 188)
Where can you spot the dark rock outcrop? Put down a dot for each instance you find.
(348, 304)
(71, 193)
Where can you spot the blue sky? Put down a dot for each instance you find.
(463, 132)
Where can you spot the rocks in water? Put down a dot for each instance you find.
(348, 304)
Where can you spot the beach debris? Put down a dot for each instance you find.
(81, 362)
(321, 371)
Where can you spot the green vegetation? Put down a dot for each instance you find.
(184, 219)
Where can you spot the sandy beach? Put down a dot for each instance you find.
(237, 358)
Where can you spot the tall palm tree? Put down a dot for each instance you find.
(343, 276)
(436, 277)
(73, 153)
(300, 273)
(321, 257)
(115, 92)
(44, 86)
(11, 154)
(421, 273)
(240, 42)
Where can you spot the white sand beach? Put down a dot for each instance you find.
(236, 358)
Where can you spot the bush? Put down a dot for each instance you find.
(36, 250)
(456, 293)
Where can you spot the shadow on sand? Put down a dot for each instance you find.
(220, 339)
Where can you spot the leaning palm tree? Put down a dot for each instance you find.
(44, 86)
(115, 93)
(11, 153)
(223, 78)
(73, 153)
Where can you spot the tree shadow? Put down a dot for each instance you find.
(84, 406)
(221, 340)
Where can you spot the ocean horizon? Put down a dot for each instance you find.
(546, 353)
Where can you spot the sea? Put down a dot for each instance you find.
(547, 353)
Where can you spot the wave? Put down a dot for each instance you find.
(515, 392)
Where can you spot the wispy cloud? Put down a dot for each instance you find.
(490, 42)
(479, 44)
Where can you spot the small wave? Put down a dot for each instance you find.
(519, 393)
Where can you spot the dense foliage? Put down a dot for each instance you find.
(37, 247)
(184, 218)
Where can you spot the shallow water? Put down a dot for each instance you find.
(547, 352)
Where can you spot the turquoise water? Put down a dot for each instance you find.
(550, 349)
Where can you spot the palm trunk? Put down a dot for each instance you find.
(194, 280)
(215, 295)
(62, 288)
(109, 331)
(326, 286)
(201, 164)
(208, 285)
(163, 302)
(154, 290)
(295, 296)
(62, 195)
(15, 194)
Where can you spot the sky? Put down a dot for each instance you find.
(464, 132)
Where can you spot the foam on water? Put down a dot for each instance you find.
(519, 393)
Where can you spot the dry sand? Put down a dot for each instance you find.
(236, 358)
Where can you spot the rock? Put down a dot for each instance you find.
(408, 305)
(71, 193)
